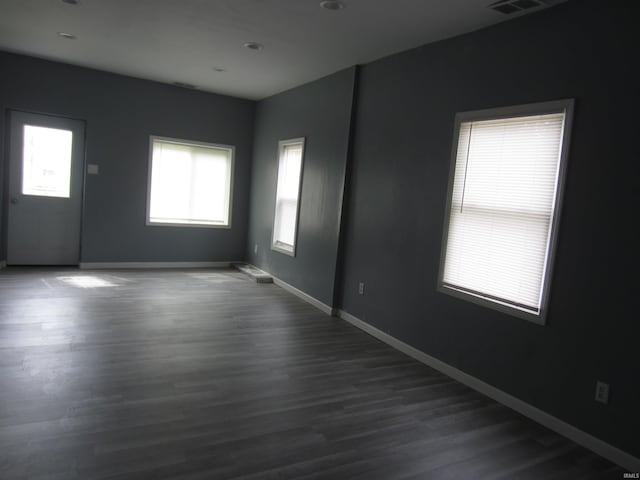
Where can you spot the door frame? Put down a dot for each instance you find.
(5, 172)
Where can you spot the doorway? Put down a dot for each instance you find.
(46, 164)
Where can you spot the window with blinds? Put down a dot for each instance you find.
(503, 206)
(285, 223)
(189, 183)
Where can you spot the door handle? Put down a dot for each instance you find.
(14, 201)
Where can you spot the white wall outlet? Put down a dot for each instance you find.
(255, 248)
(602, 392)
(93, 169)
(361, 288)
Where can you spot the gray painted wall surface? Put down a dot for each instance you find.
(396, 202)
(397, 192)
(319, 111)
(121, 113)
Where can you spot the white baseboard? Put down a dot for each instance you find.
(620, 457)
(304, 296)
(299, 293)
(151, 265)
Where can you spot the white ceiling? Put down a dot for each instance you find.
(184, 40)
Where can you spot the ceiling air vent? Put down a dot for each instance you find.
(513, 6)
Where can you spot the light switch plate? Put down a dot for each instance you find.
(92, 169)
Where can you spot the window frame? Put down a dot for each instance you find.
(565, 106)
(276, 245)
(188, 143)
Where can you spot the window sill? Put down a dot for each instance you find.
(284, 248)
(192, 225)
(538, 319)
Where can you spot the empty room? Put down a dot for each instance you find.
(305, 239)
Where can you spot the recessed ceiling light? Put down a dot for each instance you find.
(332, 5)
(68, 36)
(219, 69)
(71, 2)
(253, 46)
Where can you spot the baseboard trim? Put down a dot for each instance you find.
(304, 296)
(594, 444)
(151, 265)
(299, 293)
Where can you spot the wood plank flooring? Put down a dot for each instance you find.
(204, 374)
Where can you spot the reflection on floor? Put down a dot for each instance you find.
(207, 374)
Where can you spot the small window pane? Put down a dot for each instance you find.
(46, 162)
(190, 184)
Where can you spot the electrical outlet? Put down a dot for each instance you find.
(361, 288)
(602, 392)
(255, 248)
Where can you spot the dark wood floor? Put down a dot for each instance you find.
(203, 374)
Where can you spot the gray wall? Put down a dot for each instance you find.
(120, 114)
(396, 202)
(397, 191)
(321, 112)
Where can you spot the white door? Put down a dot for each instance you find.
(46, 163)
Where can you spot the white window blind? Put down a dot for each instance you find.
(287, 195)
(502, 205)
(190, 184)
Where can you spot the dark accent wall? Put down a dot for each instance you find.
(585, 50)
(319, 111)
(120, 114)
(399, 159)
